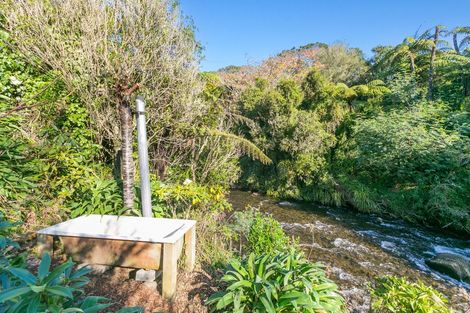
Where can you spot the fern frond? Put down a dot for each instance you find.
(464, 42)
(240, 119)
(246, 146)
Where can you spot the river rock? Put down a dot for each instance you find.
(454, 265)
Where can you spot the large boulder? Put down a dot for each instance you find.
(454, 265)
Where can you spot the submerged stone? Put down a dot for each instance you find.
(454, 265)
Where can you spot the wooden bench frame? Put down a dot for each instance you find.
(141, 254)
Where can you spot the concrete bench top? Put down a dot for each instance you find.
(146, 229)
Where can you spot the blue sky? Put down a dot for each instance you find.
(238, 32)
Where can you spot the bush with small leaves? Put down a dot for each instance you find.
(258, 232)
(266, 235)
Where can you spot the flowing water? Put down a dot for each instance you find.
(359, 247)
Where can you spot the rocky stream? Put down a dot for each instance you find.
(359, 247)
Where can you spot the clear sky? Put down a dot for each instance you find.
(238, 32)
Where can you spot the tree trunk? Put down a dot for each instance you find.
(431, 64)
(413, 66)
(456, 43)
(127, 171)
(466, 86)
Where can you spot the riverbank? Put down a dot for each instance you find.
(357, 248)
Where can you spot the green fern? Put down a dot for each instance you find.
(246, 146)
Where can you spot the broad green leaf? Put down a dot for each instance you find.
(44, 266)
(226, 300)
(33, 304)
(61, 291)
(13, 293)
(238, 284)
(24, 275)
(57, 272)
(268, 305)
(37, 289)
(72, 310)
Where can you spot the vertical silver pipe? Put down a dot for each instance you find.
(143, 159)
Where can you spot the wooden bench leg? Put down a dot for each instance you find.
(170, 270)
(45, 243)
(190, 249)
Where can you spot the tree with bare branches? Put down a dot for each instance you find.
(104, 51)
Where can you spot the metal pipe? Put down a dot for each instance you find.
(143, 159)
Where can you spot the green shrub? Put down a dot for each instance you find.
(8, 256)
(169, 200)
(284, 282)
(18, 172)
(206, 204)
(51, 290)
(258, 232)
(266, 235)
(397, 295)
(20, 169)
(296, 127)
(102, 196)
(411, 163)
(55, 290)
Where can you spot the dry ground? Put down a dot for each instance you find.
(115, 284)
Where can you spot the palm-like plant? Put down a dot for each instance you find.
(460, 46)
(435, 39)
(246, 147)
(456, 63)
(409, 50)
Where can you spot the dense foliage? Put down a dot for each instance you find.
(280, 282)
(386, 135)
(393, 137)
(258, 233)
(266, 235)
(413, 163)
(53, 289)
(397, 295)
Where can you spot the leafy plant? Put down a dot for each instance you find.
(51, 290)
(18, 173)
(258, 232)
(215, 238)
(8, 256)
(397, 295)
(284, 282)
(45, 291)
(181, 199)
(103, 196)
(5, 227)
(410, 163)
(266, 235)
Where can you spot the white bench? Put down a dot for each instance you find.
(127, 241)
